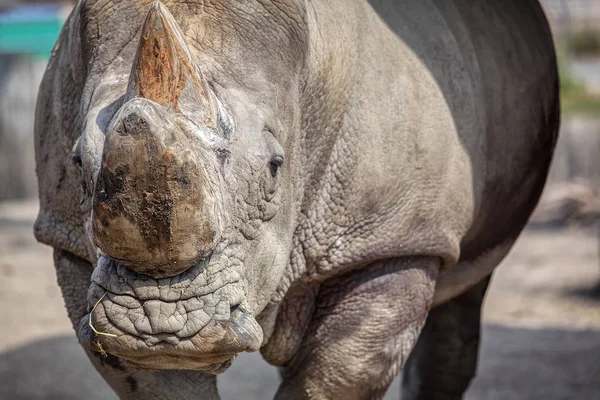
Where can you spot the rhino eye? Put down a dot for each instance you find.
(274, 165)
(76, 159)
(76, 154)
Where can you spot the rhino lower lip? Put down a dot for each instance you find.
(155, 323)
(210, 352)
(214, 368)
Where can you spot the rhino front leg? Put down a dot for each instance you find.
(73, 274)
(444, 361)
(364, 326)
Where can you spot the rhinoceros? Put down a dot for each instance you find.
(329, 182)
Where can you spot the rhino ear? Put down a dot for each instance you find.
(163, 70)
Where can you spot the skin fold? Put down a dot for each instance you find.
(317, 180)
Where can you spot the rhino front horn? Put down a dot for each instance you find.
(155, 207)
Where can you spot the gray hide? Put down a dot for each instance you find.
(308, 178)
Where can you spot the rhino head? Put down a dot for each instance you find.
(190, 205)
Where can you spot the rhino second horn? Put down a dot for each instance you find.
(163, 70)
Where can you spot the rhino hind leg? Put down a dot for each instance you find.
(444, 360)
(363, 328)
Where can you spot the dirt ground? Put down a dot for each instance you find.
(541, 338)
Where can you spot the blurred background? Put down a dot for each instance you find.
(541, 338)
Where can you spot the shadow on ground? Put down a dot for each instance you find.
(515, 364)
(590, 292)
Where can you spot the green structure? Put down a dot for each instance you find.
(30, 29)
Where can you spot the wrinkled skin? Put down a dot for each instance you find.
(306, 178)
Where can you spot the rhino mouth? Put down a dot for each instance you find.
(195, 320)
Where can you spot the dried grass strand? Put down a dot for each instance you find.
(100, 348)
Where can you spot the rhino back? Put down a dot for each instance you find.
(522, 117)
(429, 128)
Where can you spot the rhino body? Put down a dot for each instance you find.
(331, 182)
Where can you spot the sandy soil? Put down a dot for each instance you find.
(541, 338)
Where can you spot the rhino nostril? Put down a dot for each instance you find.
(234, 308)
